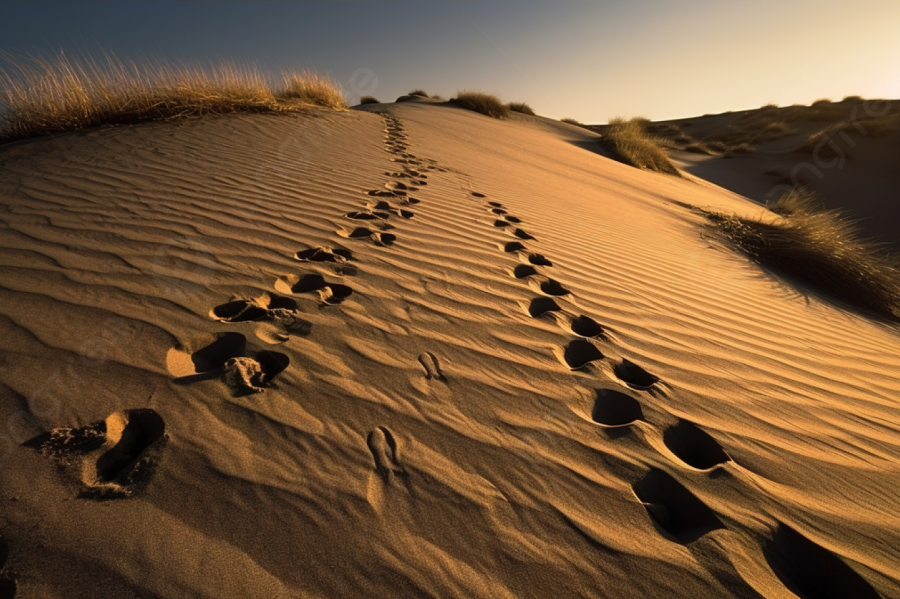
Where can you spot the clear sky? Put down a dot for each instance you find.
(590, 60)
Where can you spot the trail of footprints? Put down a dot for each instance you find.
(804, 567)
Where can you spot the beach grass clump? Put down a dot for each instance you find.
(630, 141)
(486, 104)
(44, 96)
(418, 92)
(521, 107)
(369, 100)
(571, 121)
(820, 248)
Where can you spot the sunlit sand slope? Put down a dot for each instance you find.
(425, 353)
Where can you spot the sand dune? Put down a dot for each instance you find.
(419, 353)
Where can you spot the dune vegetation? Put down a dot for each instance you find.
(369, 100)
(521, 107)
(571, 121)
(633, 144)
(486, 104)
(418, 92)
(43, 96)
(820, 248)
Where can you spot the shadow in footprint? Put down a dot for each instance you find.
(367, 215)
(585, 326)
(324, 254)
(212, 357)
(677, 512)
(522, 234)
(811, 571)
(634, 376)
(246, 375)
(551, 287)
(579, 353)
(141, 429)
(537, 259)
(524, 270)
(513, 246)
(385, 453)
(614, 408)
(432, 366)
(260, 308)
(498, 211)
(542, 305)
(330, 293)
(378, 238)
(694, 446)
(512, 219)
(476, 194)
(501, 223)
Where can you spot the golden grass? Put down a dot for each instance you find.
(486, 104)
(820, 248)
(571, 121)
(521, 107)
(633, 145)
(369, 100)
(41, 96)
(418, 92)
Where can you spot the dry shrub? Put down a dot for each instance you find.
(632, 144)
(570, 121)
(486, 104)
(369, 100)
(819, 247)
(521, 107)
(418, 92)
(41, 96)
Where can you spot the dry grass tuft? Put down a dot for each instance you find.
(418, 92)
(569, 121)
(41, 96)
(369, 100)
(487, 104)
(820, 248)
(631, 142)
(521, 107)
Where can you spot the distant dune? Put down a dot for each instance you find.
(410, 350)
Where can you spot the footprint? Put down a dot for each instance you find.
(111, 458)
(584, 326)
(614, 408)
(381, 239)
(501, 223)
(694, 446)
(498, 211)
(579, 353)
(247, 375)
(536, 259)
(513, 219)
(476, 194)
(524, 270)
(495, 204)
(381, 205)
(397, 175)
(410, 200)
(522, 234)
(329, 293)
(403, 213)
(327, 254)
(381, 193)
(542, 305)
(432, 366)
(264, 307)
(548, 286)
(634, 376)
(397, 188)
(385, 453)
(204, 354)
(676, 512)
(367, 215)
(513, 246)
(809, 570)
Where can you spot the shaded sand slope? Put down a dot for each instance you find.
(492, 363)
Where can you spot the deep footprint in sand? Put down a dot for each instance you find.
(548, 286)
(327, 254)
(204, 354)
(583, 326)
(635, 376)
(367, 215)
(476, 194)
(524, 271)
(264, 307)
(694, 446)
(536, 259)
(522, 234)
(247, 375)
(676, 512)
(613, 408)
(513, 246)
(378, 238)
(385, 453)
(810, 570)
(542, 305)
(432, 366)
(329, 293)
(578, 354)
(112, 458)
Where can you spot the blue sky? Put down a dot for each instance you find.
(586, 60)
